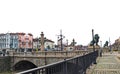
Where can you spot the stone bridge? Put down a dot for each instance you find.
(27, 60)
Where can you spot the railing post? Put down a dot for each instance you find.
(84, 64)
(45, 58)
(66, 67)
(66, 55)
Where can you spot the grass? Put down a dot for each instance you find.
(9, 72)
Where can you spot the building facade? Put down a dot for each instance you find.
(16, 41)
(25, 42)
(49, 44)
(12, 41)
(36, 44)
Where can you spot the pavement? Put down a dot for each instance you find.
(109, 63)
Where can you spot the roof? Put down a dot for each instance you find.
(21, 33)
(13, 33)
(35, 40)
(48, 40)
(2, 34)
(30, 34)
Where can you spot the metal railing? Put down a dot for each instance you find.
(76, 65)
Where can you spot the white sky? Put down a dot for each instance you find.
(76, 18)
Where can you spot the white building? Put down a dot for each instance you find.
(8, 41)
(48, 44)
(36, 44)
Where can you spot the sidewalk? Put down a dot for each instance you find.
(107, 64)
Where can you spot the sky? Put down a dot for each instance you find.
(76, 18)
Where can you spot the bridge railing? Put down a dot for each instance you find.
(50, 53)
(76, 65)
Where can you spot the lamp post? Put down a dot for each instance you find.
(61, 39)
(101, 43)
(94, 59)
(101, 49)
(37, 43)
(93, 39)
(110, 45)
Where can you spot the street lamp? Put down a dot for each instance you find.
(101, 43)
(61, 39)
(110, 45)
(101, 49)
(93, 39)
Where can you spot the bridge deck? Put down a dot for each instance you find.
(108, 64)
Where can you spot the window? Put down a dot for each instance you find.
(26, 38)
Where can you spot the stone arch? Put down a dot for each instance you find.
(23, 65)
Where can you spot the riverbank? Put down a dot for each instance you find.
(7, 72)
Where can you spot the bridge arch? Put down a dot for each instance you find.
(23, 65)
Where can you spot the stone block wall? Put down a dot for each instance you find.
(5, 64)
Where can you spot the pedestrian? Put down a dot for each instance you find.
(100, 52)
